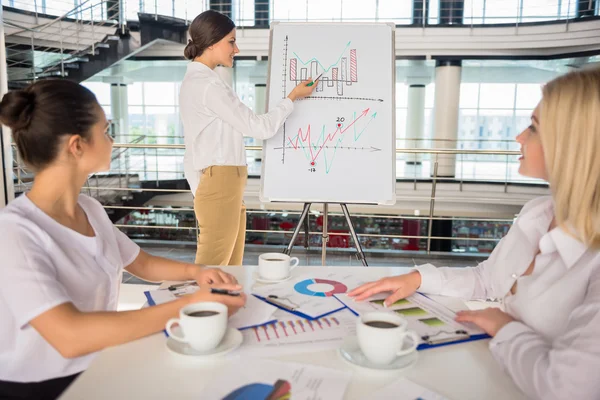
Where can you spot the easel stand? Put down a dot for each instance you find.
(325, 235)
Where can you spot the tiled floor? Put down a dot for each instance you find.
(187, 254)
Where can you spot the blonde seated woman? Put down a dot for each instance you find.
(547, 268)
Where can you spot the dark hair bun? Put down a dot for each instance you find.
(206, 30)
(16, 109)
(44, 112)
(190, 52)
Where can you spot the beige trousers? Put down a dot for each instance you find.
(221, 214)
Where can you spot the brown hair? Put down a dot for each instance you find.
(207, 29)
(45, 111)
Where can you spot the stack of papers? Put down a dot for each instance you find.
(403, 389)
(291, 334)
(310, 296)
(262, 379)
(432, 321)
(254, 313)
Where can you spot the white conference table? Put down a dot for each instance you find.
(146, 369)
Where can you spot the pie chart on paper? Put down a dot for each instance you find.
(320, 287)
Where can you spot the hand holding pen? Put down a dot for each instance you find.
(304, 89)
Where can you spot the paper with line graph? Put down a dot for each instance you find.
(339, 144)
(293, 335)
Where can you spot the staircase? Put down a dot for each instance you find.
(40, 46)
(77, 45)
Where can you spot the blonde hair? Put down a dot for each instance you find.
(570, 136)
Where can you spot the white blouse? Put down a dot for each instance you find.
(552, 351)
(215, 122)
(45, 264)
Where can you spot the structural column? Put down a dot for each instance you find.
(7, 191)
(120, 112)
(445, 117)
(260, 98)
(260, 107)
(415, 121)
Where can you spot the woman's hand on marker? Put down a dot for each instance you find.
(303, 90)
(233, 303)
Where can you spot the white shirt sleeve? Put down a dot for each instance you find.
(29, 281)
(468, 283)
(128, 249)
(227, 106)
(565, 368)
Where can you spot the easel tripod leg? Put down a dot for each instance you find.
(359, 252)
(288, 250)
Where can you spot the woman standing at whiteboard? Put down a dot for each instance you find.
(215, 122)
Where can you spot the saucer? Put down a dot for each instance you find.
(350, 351)
(231, 341)
(258, 279)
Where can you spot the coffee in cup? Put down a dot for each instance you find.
(382, 335)
(202, 313)
(203, 325)
(276, 266)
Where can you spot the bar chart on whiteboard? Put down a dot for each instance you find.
(343, 72)
(338, 145)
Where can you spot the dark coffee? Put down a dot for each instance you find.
(273, 259)
(381, 324)
(202, 313)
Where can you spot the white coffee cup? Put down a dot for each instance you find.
(381, 345)
(276, 266)
(202, 333)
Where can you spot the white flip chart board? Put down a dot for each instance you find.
(338, 146)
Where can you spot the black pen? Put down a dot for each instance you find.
(180, 285)
(224, 291)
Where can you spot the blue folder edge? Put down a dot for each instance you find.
(424, 346)
(298, 313)
(151, 302)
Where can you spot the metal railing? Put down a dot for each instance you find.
(49, 46)
(260, 13)
(178, 222)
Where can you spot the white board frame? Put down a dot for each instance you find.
(389, 202)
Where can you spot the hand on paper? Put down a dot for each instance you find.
(233, 303)
(402, 286)
(302, 90)
(213, 276)
(491, 320)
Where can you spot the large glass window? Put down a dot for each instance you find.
(102, 92)
(491, 115)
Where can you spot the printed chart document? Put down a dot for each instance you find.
(292, 334)
(432, 321)
(274, 380)
(255, 312)
(311, 295)
(403, 389)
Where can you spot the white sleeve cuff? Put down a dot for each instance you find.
(507, 332)
(431, 279)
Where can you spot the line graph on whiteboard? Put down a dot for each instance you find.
(321, 147)
(320, 143)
